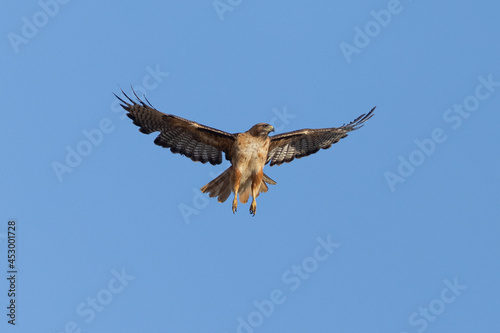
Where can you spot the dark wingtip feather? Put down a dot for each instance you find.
(126, 96)
(147, 100)
(123, 104)
(127, 104)
(140, 100)
(359, 122)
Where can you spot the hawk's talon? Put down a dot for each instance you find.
(253, 208)
(235, 206)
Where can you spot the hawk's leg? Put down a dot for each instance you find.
(256, 181)
(235, 179)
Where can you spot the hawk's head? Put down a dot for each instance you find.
(261, 129)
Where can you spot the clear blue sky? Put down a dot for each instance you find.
(393, 229)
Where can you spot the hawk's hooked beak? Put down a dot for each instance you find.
(270, 128)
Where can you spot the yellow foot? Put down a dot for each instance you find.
(253, 208)
(235, 205)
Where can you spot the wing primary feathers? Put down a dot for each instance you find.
(148, 104)
(359, 122)
(198, 142)
(286, 147)
(135, 94)
(130, 99)
(147, 100)
(119, 98)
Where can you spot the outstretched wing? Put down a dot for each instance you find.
(198, 142)
(287, 146)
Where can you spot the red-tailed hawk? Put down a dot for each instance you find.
(248, 152)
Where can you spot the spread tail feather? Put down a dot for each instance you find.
(268, 180)
(221, 187)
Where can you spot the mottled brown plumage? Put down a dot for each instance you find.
(287, 146)
(248, 152)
